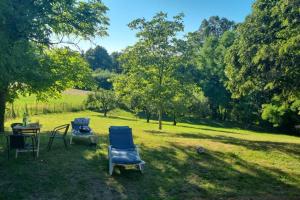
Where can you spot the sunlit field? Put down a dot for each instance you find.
(69, 101)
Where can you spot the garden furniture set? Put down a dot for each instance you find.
(121, 150)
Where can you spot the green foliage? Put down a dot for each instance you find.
(206, 50)
(27, 30)
(101, 100)
(213, 27)
(116, 65)
(98, 58)
(265, 57)
(152, 66)
(104, 78)
(281, 113)
(68, 69)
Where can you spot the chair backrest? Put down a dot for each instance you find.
(79, 122)
(120, 137)
(17, 141)
(63, 128)
(82, 121)
(15, 131)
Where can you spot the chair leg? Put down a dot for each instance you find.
(71, 139)
(65, 142)
(50, 143)
(48, 146)
(8, 148)
(111, 168)
(37, 146)
(141, 168)
(7, 154)
(52, 140)
(33, 147)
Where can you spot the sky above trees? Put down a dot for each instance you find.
(122, 12)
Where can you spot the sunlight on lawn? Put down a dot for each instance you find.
(237, 163)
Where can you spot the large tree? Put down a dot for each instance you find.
(264, 59)
(150, 66)
(28, 29)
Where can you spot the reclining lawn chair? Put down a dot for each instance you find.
(81, 129)
(122, 150)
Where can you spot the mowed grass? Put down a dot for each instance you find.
(237, 164)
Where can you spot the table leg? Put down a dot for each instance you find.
(38, 145)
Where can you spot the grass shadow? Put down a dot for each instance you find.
(205, 176)
(288, 148)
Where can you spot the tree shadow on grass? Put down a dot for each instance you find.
(78, 172)
(172, 172)
(114, 117)
(156, 132)
(210, 129)
(288, 148)
(212, 175)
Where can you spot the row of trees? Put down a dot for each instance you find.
(245, 72)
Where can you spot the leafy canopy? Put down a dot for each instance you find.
(99, 58)
(102, 100)
(265, 57)
(151, 65)
(28, 29)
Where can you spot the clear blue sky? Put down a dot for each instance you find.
(121, 12)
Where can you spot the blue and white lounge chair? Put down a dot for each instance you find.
(122, 150)
(81, 129)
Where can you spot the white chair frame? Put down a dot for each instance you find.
(112, 165)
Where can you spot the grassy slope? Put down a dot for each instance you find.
(70, 100)
(71, 96)
(238, 164)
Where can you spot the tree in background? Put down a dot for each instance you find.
(101, 100)
(68, 69)
(134, 93)
(214, 26)
(151, 64)
(26, 32)
(264, 60)
(104, 78)
(116, 65)
(206, 49)
(98, 58)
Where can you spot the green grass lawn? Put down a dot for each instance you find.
(237, 164)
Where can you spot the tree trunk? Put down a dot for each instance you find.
(174, 119)
(105, 113)
(3, 95)
(159, 119)
(148, 115)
